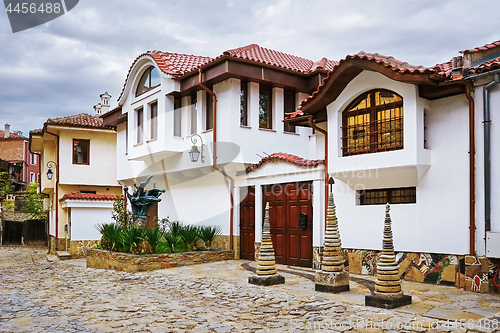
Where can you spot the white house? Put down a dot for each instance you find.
(78, 176)
(417, 138)
(171, 103)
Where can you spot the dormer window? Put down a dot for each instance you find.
(373, 123)
(149, 80)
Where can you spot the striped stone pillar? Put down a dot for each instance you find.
(267, 273)
(332, 277)
(388, 293)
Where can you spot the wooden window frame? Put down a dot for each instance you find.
(287, 109)
(393, 196)
(146, 76)
(372, 111)
(88, 151)
(209, 111)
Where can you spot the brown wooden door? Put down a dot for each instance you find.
(247, 223)
(292, 239)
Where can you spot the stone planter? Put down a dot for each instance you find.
(138, 263)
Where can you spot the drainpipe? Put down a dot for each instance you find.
(487, 151)
(472, 174)
(214, 157)
(56, 185)
(327, 178)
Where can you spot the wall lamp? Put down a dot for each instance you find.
(194, 154)
(50, 165)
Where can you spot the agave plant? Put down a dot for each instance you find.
(111, 236)
(175, 228)
(189, 235)
(132, 238)
(208, 234)
(153, 237)
(173, 242)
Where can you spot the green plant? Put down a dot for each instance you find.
(190, 235)
(132, 238)
(33, 205)
(8, 205)
(208, 234)
(5, 184)
(173, 242)
(175, 228)
(121, 215)
(111, 236)
(153, 237)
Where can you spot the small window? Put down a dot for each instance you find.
(33, 159)
(289, 107)
(32, 177)
(209, 112)
(265, 108)
(81, 149)
(388, 195)
(149, 80)
(154, 120)
(177, 116)
(373, 123)
(243, 104)
(140, 124)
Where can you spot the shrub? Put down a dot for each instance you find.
(190, 234)
(175, 228)
(153, 237)
(132, 238)
(208, 234)
(111, 236)
(120, 214)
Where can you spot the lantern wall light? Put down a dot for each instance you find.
(194, 154)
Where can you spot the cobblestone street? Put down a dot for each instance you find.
(41, 295)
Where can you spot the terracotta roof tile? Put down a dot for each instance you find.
(487, 66)
(12, 135)
(484, 47)
(88, 196)
(299, 161)
(36, 131)
(80, 120)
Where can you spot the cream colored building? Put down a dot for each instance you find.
(76, 153)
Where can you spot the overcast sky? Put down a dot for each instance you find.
(60, 68)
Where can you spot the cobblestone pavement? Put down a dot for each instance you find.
(41, 295)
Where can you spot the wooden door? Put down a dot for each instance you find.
(247, 223)
(291, 233)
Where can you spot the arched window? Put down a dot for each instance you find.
(373, 122)
(149, 80)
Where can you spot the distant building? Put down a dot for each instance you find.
(23, 166)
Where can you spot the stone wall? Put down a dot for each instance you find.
(221, 242)
(138, 263)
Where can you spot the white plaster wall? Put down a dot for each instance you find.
(438, 222)
(84, 220)
(101, 169)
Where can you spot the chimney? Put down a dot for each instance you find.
(7, 131)
(456, 66)
(105, 102)
(98, 109)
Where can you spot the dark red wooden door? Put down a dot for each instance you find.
(291, 234)
(247, 223)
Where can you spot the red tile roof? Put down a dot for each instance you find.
(284, 157)
(36, 131)
(487, 66)
(12, 135)
(177, 64)
(483, 48)
(254, 52)
(88, 196)
(80, 120)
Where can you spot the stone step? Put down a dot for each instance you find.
(63, 255)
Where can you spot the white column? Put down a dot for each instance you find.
(318, 212)
(278, 109)
(258, 214)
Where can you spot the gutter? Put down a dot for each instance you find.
(214, 158)
(487, 151)
(56, 185)
(327, 178)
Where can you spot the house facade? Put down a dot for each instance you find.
(230, 109)
(78, 176)
(22, 164)
(419, 139)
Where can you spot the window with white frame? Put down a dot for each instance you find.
(289, 107)
(153, 115)
(194, 113)
(265, 107)
(149, 80)
(177, 116)
(32, 177)
(139, 122)
(33, 159)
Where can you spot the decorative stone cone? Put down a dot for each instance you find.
(266, 264)
(388, 293)
(333, 277)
